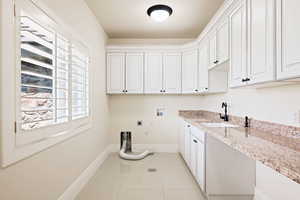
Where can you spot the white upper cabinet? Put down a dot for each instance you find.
(288, 44)
(203, 67)
(172, 73)
(153, 73)
(213, 61)
(219, 45)
(115, 73)
(259, 38)
(238, 48)
(223, 42)
(261, 41)
(190, 72)
(134, 73)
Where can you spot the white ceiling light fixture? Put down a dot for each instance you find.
(159, 12)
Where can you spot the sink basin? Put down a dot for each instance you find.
(219, 125)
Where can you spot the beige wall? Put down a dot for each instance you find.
(278, 104)
(126, 110)
(46, 175)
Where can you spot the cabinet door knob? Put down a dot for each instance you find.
(246, 79)
(196, 90)
(206, 88)
(195, 141)
(161, 91)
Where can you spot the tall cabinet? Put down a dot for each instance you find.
(288, 40)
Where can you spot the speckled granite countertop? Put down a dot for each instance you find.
(277, 150)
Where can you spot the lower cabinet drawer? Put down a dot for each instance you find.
(199, 134)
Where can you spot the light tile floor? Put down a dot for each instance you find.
(119, 179)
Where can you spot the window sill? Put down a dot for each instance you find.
(12, 153)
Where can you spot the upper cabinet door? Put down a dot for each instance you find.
(172, 73)
(223, 42)
(153, 73)
(238, 49)
(134, 73)
(115, 73)
(288, 44)
(261, 40)
(203, 67)
(213, 50)
(190, 72)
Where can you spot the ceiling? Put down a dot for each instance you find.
(128, 18)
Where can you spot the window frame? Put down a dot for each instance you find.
(24, 143)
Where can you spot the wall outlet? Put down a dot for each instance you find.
(297, 117)
(160, 112)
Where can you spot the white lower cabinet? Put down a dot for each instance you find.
(228, 172)
(194, 151)
(215, 166)
(187, 144)
(200, 174)
(181, 138)
(198, 161)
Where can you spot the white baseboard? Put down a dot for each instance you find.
(74, 189)
(159, 148)
(259, 195)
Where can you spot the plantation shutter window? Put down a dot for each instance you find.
(53, 77)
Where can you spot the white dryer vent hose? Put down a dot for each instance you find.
(131, 156)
